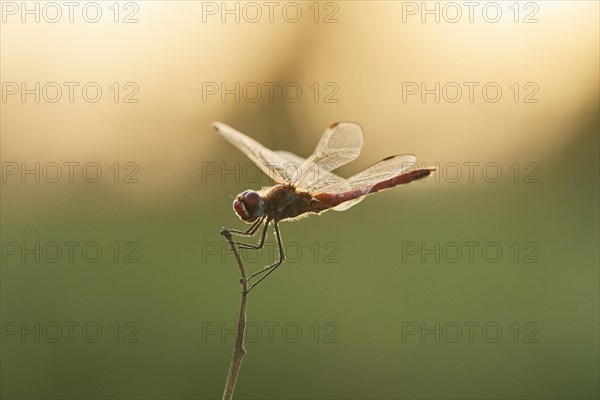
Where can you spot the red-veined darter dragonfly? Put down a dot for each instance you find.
(309, 185)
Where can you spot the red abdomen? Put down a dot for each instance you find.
(324, 201)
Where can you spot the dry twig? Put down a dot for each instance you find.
(238, 349)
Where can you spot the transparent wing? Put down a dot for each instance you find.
(295, 161)
(291, 157)
(270, 162)
(340, 144)
(369, 177)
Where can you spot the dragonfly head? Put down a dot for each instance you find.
(249, 206)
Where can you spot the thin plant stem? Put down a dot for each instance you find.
(238, 348)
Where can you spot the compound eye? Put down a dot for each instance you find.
(252, 199)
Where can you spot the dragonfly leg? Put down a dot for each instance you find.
(248, 232)
(255, 246)
(273, 267)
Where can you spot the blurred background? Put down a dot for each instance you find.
(479, 282)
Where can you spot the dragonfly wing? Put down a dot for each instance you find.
(362, 183)
(329, 178)
(381, 171)
(293, 163)
(340, 144)
(291, 157)
(270, 162)
(347, 204)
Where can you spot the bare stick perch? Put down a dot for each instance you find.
(238, 348)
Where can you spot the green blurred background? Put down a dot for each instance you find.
(347, 312)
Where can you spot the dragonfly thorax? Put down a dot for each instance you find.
(249, 206)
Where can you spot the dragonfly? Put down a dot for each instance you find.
(310, 186)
